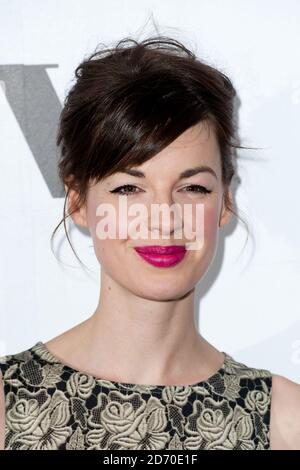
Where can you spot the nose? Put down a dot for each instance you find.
(164, 216)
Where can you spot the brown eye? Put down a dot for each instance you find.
(197, 189)
(125, 190)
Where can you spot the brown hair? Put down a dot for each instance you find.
(132, 100)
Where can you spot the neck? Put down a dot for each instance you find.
(145, 341)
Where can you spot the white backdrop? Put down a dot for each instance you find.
(249, 302)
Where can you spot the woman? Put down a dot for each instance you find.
(144, 124)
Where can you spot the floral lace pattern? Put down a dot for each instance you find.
(49, 405)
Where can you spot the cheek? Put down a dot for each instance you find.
(205, 223)
(210, 223)
(106, 253)
(114, 222)
(204, 257)
(107, 249)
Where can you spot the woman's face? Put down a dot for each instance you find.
(160, 184)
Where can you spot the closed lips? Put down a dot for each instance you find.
(161, 250)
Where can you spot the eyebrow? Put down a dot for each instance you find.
(185, 174)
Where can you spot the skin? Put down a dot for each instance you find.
(143, 329)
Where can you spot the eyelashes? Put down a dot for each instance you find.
(196, 188)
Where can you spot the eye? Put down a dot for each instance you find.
(127, 190)
(196, 188)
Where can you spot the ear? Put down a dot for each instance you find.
(78, 213)
(226, 215)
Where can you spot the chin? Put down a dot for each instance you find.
(162, 291)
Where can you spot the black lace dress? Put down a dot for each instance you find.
(50, 405)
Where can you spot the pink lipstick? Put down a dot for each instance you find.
(162, 256)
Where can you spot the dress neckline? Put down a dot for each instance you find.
(43, 352)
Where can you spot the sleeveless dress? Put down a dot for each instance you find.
(49, 405)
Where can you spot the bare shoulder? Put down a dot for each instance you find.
(2, 413)
(285, 414)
